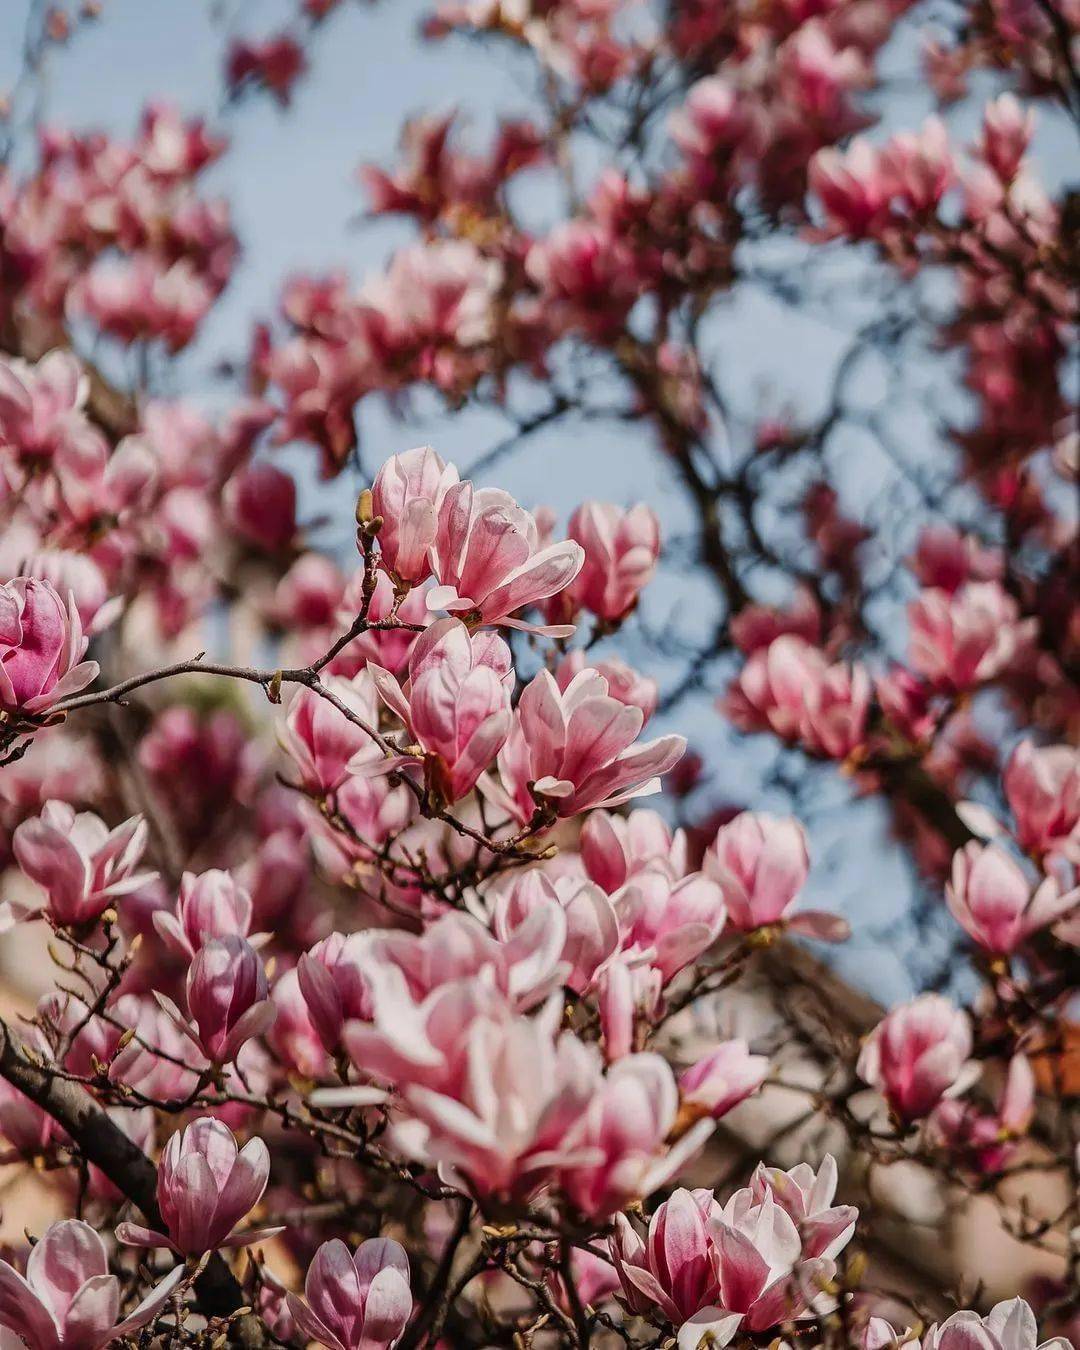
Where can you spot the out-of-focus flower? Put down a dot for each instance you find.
(761, 864)
(326, 745)
(614, 848)
(1006, 134)
(918, 1054)
(623, 682)
(1042, 785)
(621, 549)
(960, 641)
(790, 688)
(992, 899)
(720, 1080)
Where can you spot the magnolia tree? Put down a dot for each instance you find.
(420, 1006)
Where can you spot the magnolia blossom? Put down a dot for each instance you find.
(721, 1079)
(293, 1036)
(621, 1136)
(332, 982)
(457, 707)
(991, 897)
(80, 864)
(41, 406)
(614, 848)
(986, 1139)
(1007, 130)
(571, 750)
(1008, 1326)
(761, 864)
(790, 688)
(621, 549)
(210, 905)
(227, 998)
(205, 1187)
(918, 1054)
(326, 745)
(355, 1300)
(674, 1272)
(1042, 785)
(41, 647)
(23, 1124)
(624, 683)
(667, 924)
(960, 641)
(488, 561)
(68, 1298)
(592, 928)
(407, 494)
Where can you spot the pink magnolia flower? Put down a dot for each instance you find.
(260, 504)
(920, 165)
(918, 1054)
(624, 683)
(571, 750)
(791, 689)
(621, 549)
(761, 863)
(68, 1298)
(227, 998)
(806, 1196)
(853, 188)
(488, 562)
(408, 493)
(210, 905)
(1042, 785)
(293, 1036)
(332, 982)
(323, 743)
(389, 647)
(721, 1079)
(402, 969)
(710, 118)
(622, 1133)
(458, 703)
(80, 864)
(615, 848)
(23, 1124)
(1008, 1326)
(484, 1091)
(82, 580)
(984, 1139)
(667, 924)
(960, 641)
(355, 1301)
(946, 559)
(991, 897)
(769, 1271)
(41, 407)
(592, 930)
(675, 1270)
(41, 647)
(1006, 134)
(205, 1187)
